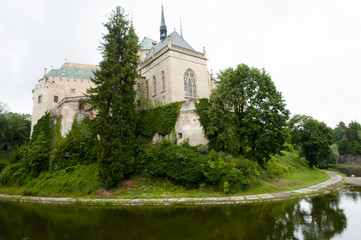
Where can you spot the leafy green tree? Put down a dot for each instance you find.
(221, 128)
(39, 153)
(18, 129)
(254, 114)
(344, 146)
(113, 99)
(14, 127)
(313, 139)
(354, 133)
(339, 131)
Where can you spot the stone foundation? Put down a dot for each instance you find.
(349, 159)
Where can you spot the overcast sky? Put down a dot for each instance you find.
(311, 48)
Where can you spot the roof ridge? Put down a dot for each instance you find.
(81, 65)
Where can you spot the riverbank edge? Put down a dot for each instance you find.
(333, 184)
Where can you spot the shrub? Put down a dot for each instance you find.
(78, 180)
(182, 165)
(78, 147)
(240, 175)
(204, 149)
(13, 174)
(2, 166)
(273, 170)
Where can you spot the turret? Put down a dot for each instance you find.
(163, 28)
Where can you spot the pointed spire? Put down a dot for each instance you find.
(181, 29)
(163, 27)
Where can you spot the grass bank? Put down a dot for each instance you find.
(288, 172)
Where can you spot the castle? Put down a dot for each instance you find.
(171, 70)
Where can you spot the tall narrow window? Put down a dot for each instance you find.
(155, 85)
(56, 98)
(147, 88)
(40, 99)
(138, 86)
(163, 81)
(190, 88)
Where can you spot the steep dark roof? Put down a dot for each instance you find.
(175, 39)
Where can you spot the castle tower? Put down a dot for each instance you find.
(172, 70)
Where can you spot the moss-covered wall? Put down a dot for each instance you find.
(159, 120)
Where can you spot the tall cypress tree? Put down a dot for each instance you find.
(113, 99)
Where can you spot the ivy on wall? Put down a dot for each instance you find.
(159, 120)
(202, 107)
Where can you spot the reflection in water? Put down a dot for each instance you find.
(316, 218)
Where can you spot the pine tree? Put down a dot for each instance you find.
(113, 99)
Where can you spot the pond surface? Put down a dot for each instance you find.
(332, 216)
(349, 170)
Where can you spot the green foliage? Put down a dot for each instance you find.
(273, 169)
(78, 147)
(182, 165)
(75, 180)
(222, 127)
(13, 175)
(159, 120)
(339, 131)
(348, 139)
(247, 114)
(3, 165)
(113, 99)
(313, 138)
(240, 174)
(40, 147)
(5, 156)
(334, 155)
(229, 173)
(47, 150)
(14, 127)
(202, 108)
(204, 149)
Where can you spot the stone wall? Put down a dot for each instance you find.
(188, 127)
(68, 109)
(349, 159)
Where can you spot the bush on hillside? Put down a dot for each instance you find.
(182, 165)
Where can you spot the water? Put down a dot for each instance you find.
(350, 170)
(332, 216)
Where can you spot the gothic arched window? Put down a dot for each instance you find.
(138, 86)
(163, 81)
(190, 83)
